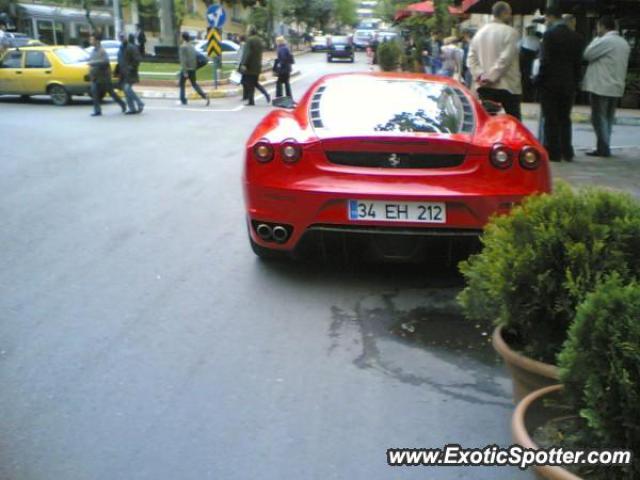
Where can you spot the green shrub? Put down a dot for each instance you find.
(389, 55)
(538, 263)
(600, 367)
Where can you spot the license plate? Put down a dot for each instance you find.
(390, 211)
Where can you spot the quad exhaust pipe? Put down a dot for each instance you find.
(264, 231)
(280, 234)
(272, 233)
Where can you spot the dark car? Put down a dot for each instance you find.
(340, 47)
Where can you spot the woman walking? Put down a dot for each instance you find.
(282, 67)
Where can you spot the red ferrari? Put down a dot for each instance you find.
(389, 158)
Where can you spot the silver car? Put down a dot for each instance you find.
(111, 46)
(230, 50)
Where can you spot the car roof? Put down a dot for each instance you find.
(327, 79)
(429, 95)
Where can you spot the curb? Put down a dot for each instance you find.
(174, 94)
(583, 118)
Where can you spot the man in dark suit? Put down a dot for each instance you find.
(251, 67)
(558, 80)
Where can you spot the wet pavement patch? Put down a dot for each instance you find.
(447, 330)
(420, 337)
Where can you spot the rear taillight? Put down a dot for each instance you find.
(291, 151)
(501, 156)
(529, 158)
(263, 151)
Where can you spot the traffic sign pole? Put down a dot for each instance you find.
(216, 16)
(215, 73)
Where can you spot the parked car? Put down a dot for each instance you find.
(340, 47)
(111, 47)
(57, 71)
(386, 36)
(319, 43)
(230, 50)
(362, 38)
(383, 158)
(18, 40)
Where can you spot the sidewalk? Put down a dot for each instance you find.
(620, 172)
(225, 88)
(582, 114)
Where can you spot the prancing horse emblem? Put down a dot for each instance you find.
(393, 159)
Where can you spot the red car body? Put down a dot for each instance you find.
(310, 169)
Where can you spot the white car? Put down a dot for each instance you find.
(362, 38)
(111, 46)
(230, 50)
(319, 43)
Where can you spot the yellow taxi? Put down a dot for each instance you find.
(57, 71)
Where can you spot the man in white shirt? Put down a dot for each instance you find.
(608, 57)
(4, 39)
(493, 61)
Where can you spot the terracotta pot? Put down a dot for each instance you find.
(521, 435)
(527, 374)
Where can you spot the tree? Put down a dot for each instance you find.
(345, 13)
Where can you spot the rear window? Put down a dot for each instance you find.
(71, 55)
(340, 40)
(356, 105)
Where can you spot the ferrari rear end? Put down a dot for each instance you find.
(387, 160)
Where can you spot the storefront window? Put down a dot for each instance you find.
(45, 32)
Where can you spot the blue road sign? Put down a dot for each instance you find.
(216, 16)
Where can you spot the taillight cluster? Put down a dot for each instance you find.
(502, 157)
(290, 150)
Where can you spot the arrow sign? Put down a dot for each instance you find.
(216, 16)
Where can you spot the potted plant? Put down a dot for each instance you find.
(538, 263)
(389, 56)
(600, 368)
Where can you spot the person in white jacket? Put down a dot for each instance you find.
(608, 57)
(494, 62)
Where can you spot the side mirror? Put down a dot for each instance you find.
(492, 108)
(284, 102)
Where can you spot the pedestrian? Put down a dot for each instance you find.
(251, 67)
(451, 56)
(529, 51)
(373, 45)
(282, 67)
(188, 66)
(141, 40)
(570, 20)
(557, 82)
(435, 52)
(4, 38)
(467, 36)
(608, 57)
(100, 76)
(128, 63)
(493, 61)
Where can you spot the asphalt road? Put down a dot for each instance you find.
(141, 339)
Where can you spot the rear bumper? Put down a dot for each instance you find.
(340, 54)
(314, 210)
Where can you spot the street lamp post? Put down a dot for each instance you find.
(117, 21)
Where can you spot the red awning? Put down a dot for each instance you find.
(519, 7)
(423, 8)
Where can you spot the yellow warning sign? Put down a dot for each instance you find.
(213, 47)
